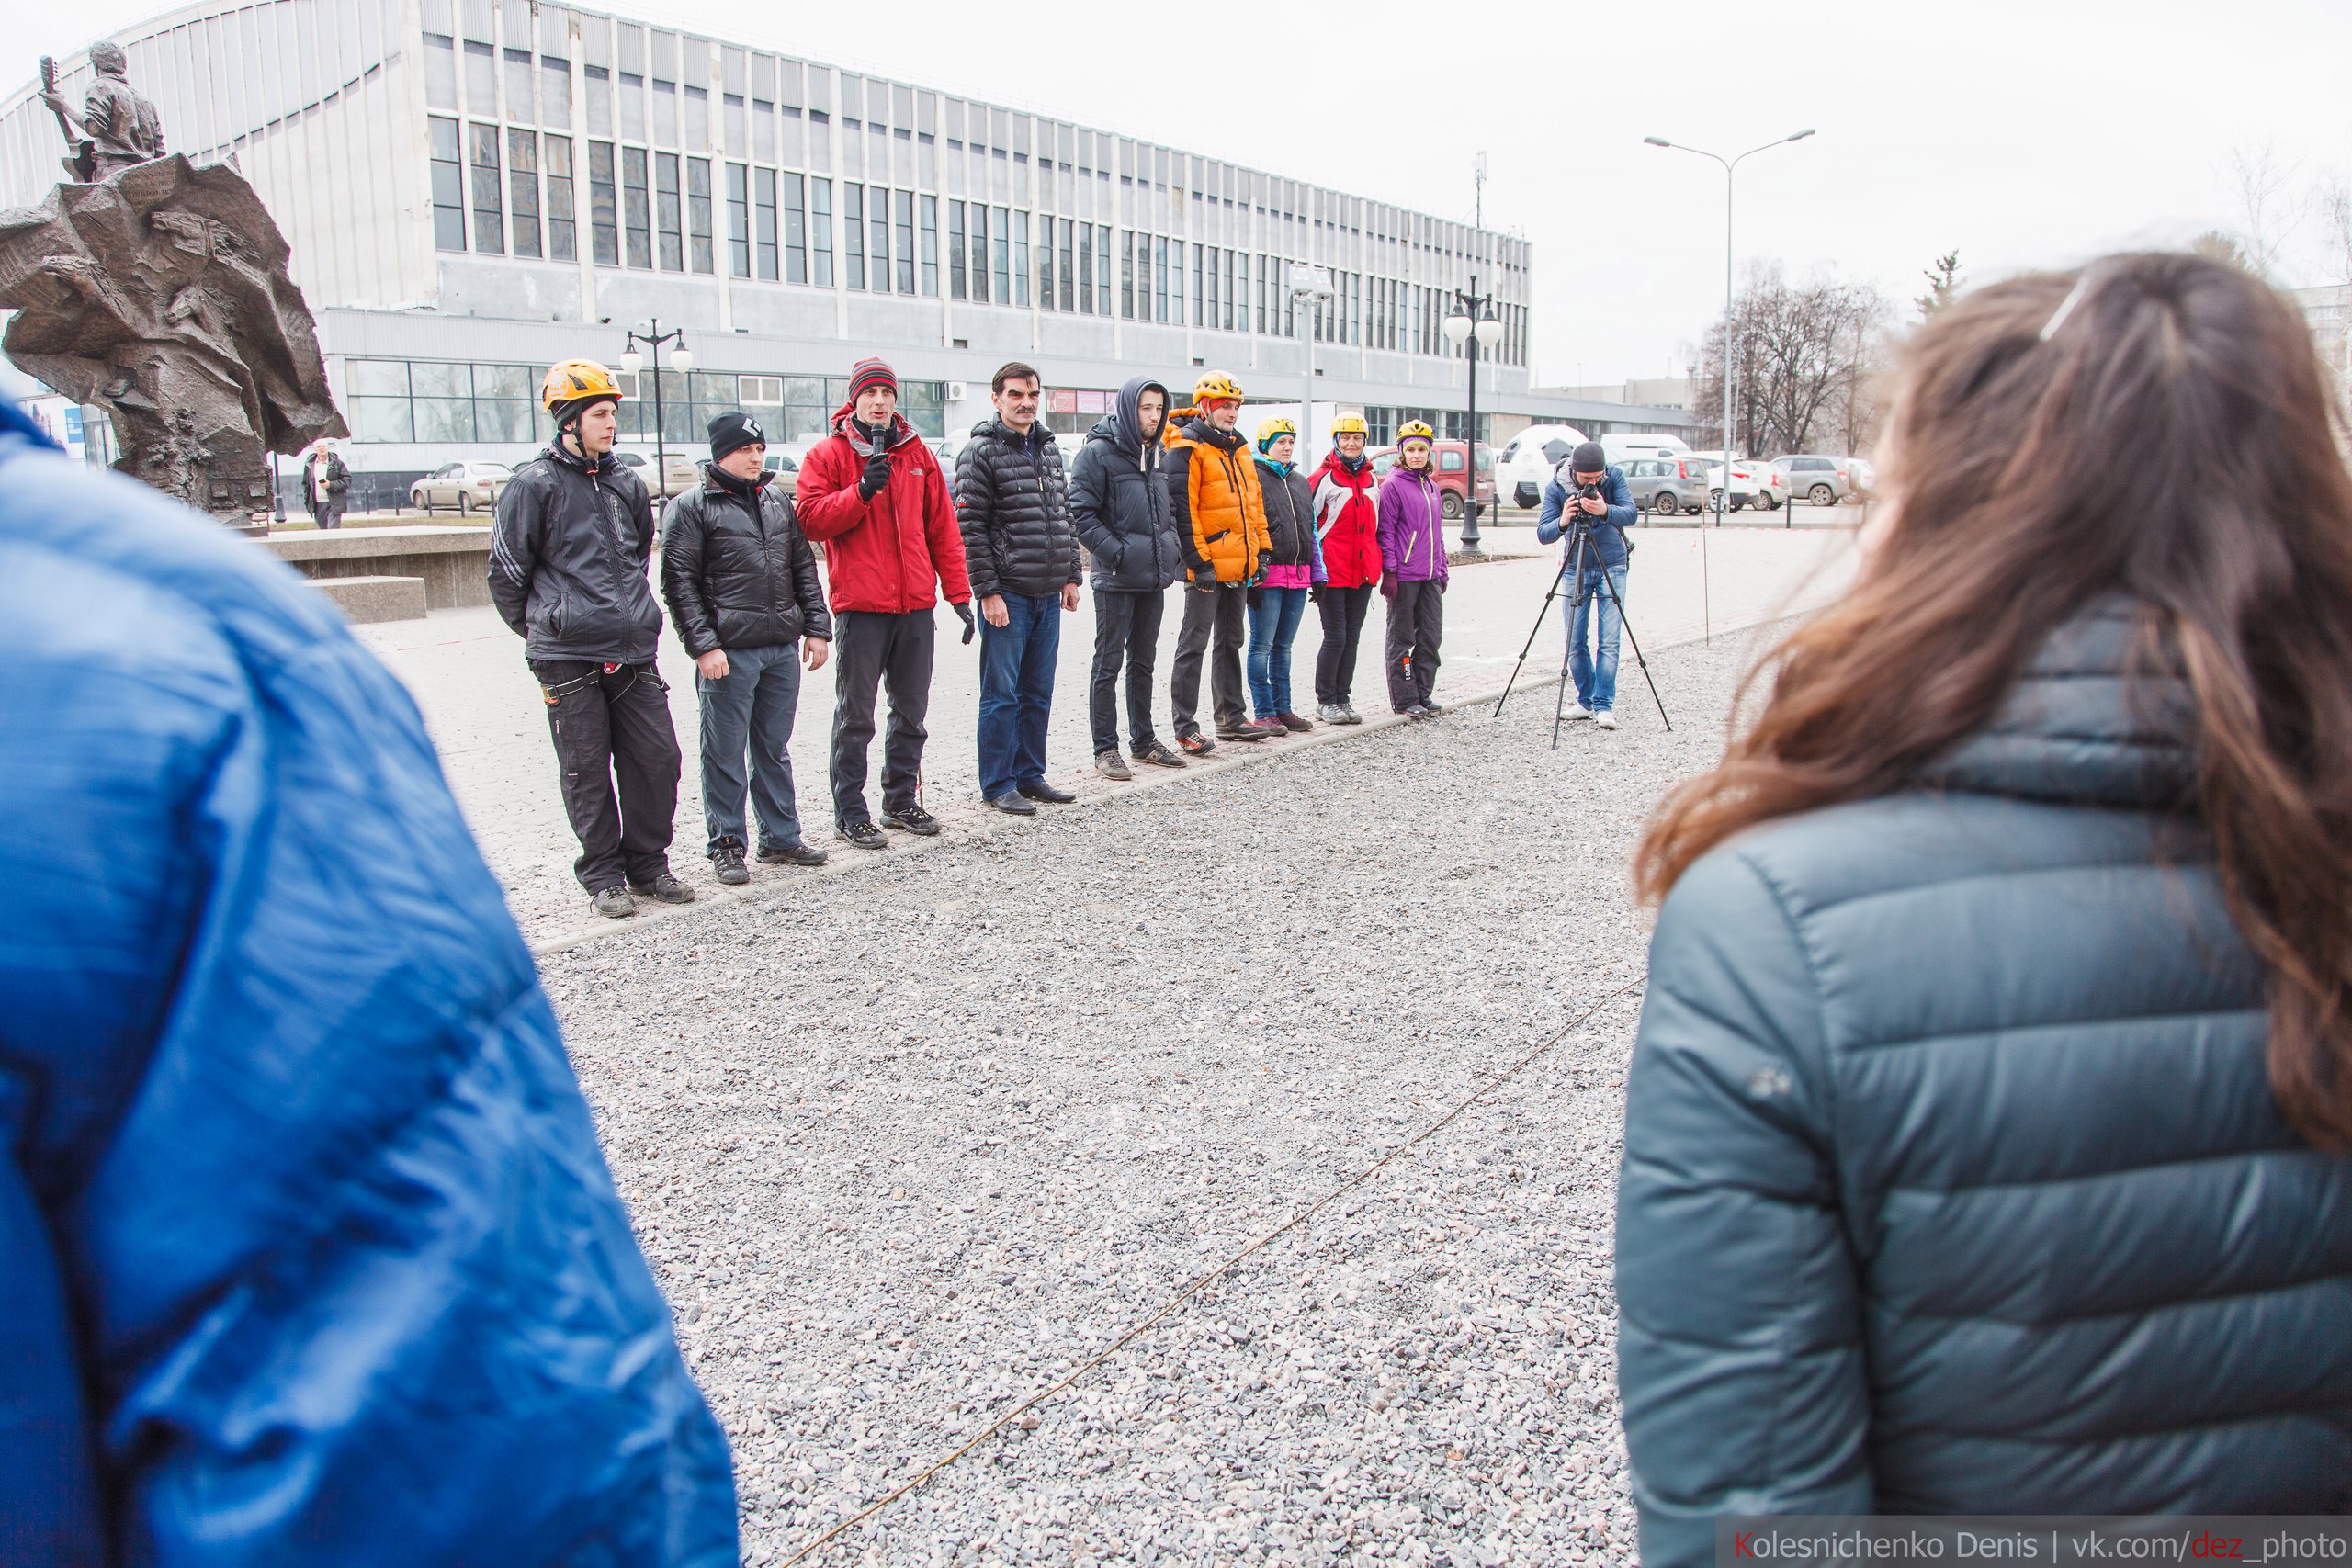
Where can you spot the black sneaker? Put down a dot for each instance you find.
(664, 889)
(791, 854)
(1012, 805)
(862, 833)
(1043, 791)
(1413, 711)
(727, 862)
(614, 903)
(1242, 732)
(1110, 765)
(1431, 706)
(1195, 743)
(912, 819)
(1158, 754)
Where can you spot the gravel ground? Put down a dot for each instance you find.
(907, 1146)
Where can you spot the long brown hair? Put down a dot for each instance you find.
(2157, 425)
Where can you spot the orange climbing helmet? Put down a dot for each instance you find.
(577, 380)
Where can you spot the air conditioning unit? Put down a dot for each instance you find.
(955, 391)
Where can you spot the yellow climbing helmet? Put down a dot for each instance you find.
(1350, 424)
(1414, 429)
(1268, 429)
(571, 380)
(1215, 384)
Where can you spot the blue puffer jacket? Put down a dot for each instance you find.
(1953, 1181)
(307, 1254)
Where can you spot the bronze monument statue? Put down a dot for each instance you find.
(158, 287)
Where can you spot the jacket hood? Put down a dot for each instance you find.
(2094, 720)
(1360, 473)
(1125, 420)
(1197, 428)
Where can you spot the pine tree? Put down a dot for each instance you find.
(1943, 284)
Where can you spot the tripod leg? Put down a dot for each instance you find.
(1633, 642)
(1541, 616)
(1568, 638)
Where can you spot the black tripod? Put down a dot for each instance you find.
(1571, 570)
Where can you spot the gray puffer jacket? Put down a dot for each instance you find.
(1953, 1181)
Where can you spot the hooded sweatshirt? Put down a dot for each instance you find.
(1118, 504)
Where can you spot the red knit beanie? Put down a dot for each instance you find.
(869, 373)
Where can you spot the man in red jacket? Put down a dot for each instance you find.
(873, 495)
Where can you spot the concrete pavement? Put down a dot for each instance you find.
(483, 708)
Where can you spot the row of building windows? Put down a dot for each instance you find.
(436, 403)
(654, 209)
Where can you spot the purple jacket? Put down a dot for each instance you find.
(1412, 527)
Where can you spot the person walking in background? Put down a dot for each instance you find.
(309, 1256)
(567, 571)
(1119, 509)
(1221, 529)
(1994, 1076)
(743, 591)
(1294, 566)
(1413, 571)
(1012, 504)
(326, 484)
(872, 493)
(1347, 535)
(1610, 511)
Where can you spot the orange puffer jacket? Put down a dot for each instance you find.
(1213, 492)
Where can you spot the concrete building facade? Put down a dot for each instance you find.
(474, 188)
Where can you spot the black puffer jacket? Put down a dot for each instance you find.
(1118, 504)
(736, 568)
(567, 559)
(1953, 1178)
(1290, 515)
(1013, 503)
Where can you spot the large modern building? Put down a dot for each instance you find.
(474, 188)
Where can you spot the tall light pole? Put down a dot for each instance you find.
(1472, 321)
(1723, 492)
(651, 335)
(1309, 287)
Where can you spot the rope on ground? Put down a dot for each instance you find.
(1202, 1283)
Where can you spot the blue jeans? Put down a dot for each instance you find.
(1017, 691)
(1273, 623)
(752, 707)
(1595, 672)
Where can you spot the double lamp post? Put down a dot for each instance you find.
(651, 335)
(1473, 324)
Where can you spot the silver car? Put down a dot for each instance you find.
(1666, 487)
(1825, 481)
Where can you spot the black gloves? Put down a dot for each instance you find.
(877, 475)
(1315, 593)
(963, 608)
(1256, 595)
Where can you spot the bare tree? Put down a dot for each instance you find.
(2268, 206)
(1802, 356)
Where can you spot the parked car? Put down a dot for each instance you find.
(1743, 482)
(1825, 481)
(1865, 474)
(684, 471)
(1667, 486)
(1526, 464)
(1772, 485)
(786, 467)
(464, 488)
(1625, 446)
(1452, 490)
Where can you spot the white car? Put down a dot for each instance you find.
(685, 469)
(1772, 485)
(1525, 465)
(465, 488)
(1742, 483)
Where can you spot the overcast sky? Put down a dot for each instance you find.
(2022, 134)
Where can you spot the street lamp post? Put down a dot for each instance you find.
(1309, 287)
(651, 335)
(1472, 323)
(1723, 492)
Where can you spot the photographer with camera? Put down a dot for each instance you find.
(1589, 492)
